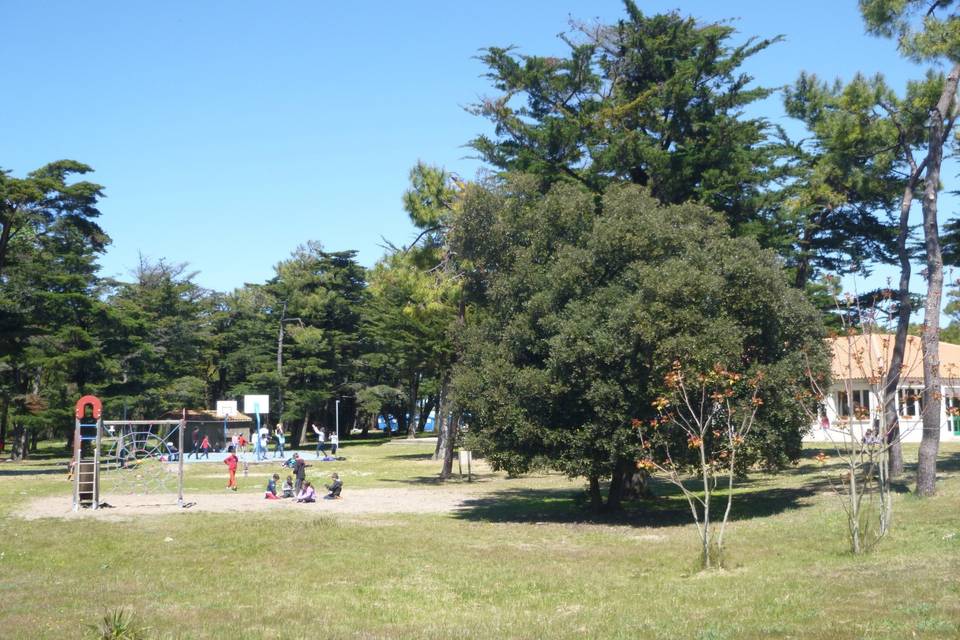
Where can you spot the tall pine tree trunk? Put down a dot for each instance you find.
(412, 406)
(3, 423)
(930, 337)
(438, 424)
(301, 436)
(904, 309)
(18, 448)
(449, 444)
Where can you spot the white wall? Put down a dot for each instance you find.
(911, 429)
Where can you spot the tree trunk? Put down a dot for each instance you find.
(425, 412)
(449, 444)
(596, 500)
(904, 309)
(635, 484)
(412, 404)
(438, 427)
(301, 435)
(615, 493)
(372, 422)
(18, 448)
(930, 336)
(803, 261)
(3, 423)
(438, 424)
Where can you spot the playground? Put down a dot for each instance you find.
(404, 556)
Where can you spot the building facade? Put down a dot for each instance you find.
(853, 402)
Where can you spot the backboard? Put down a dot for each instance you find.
(256, 404)
(226, 408)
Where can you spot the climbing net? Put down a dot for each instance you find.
(141, 459)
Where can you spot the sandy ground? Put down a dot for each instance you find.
(356, 501)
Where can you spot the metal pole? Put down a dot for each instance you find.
(76, 466)
(96, 465)
(183, 427)
(337, 420)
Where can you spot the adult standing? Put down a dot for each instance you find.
(299, 471)
(195, 443)
(321, 439)
(281, 439)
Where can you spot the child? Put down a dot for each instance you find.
(307, 493)
(242, 444)
(231, 462)
(205, 447)
(288, 487)
(334, 443)
(271, 492)
(334, 488)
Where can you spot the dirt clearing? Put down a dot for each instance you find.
(357, 501)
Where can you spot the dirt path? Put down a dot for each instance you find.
(357, 501)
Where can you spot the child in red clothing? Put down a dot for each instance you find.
(271, 492)
(231, 462)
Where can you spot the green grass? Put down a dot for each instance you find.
(526, 562)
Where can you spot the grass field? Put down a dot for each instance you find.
(522, 560)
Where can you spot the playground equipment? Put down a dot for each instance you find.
(140, 456)
(86, 468)
(138, 459)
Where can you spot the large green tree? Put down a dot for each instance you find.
(158, 337)
(316, 316)
(49, 306)
(582, 310)
(927, 31)
(656, 100)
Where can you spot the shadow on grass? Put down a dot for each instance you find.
(570, 506)
(410, 456)
(6, 472)
(949, 463)
(435, 479)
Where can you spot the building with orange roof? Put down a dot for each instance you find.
(858, 370)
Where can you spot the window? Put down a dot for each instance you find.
(910, 402)
(953, 413)
(861, 404)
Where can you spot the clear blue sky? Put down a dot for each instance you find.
(227, 133)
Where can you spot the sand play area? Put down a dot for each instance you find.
(357, 501)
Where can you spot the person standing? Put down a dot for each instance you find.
(299, 471)
(334, 443)
(231, 462)
(205, 448)
(321, 438)
(281, 439)
(195, 443)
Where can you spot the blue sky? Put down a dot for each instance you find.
(227, 133)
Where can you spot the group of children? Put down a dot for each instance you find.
(307, 492)
(302, 491)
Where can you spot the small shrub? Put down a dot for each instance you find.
(119, 624)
